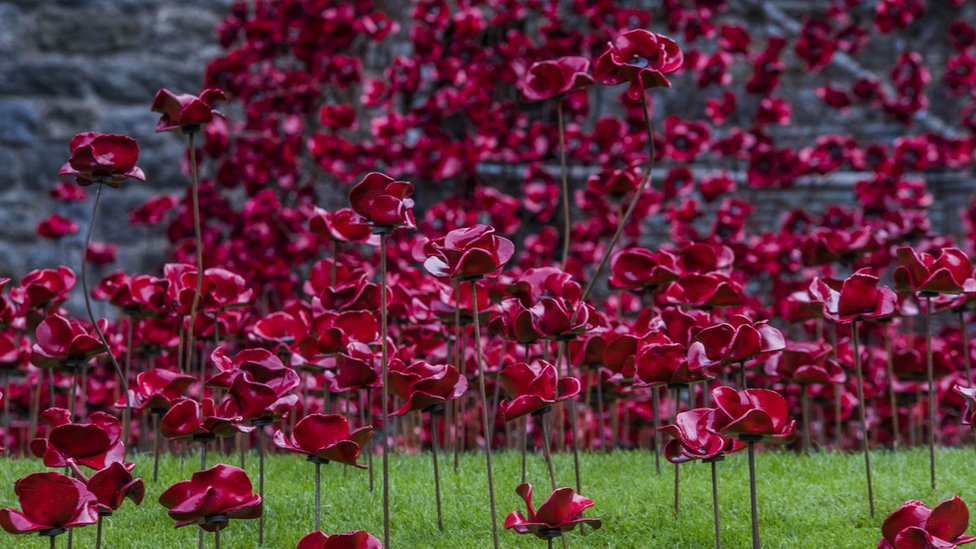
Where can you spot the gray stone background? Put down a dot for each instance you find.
(68, 66)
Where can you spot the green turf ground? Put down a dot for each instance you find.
(805, 502)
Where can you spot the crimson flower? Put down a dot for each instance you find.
(343, 225)
(422, 385)
(467, 253)
(533, 387)
(561, 512)
(805, 363)
(186, 112)
(514, 321)
(46, 288)
(548, 79)
(50, 503)
(326, 437)
(349, 540)
(56, 226)
(63, 342)
(950, 273)
(383, 201)
(640, 57)
(969, 394)
(113, 484)
(188, 419)
(103, 158)
(691, 440)
(636, 268)
(751, 413)
(704, 290)
(94, 444)
(859, 297)
(735, 341)
(211, 497)
(661, 361)
(913, 525)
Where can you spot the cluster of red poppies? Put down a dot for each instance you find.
(334, 330)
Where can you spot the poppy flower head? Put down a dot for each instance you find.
(383, 201)
(186, 112)
(914, 524)
(468, 253)
(49, 501)
(222, 492)
(640, 57)
(561, 512)
(555, 78)
(102, 158)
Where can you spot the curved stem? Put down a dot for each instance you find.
(630, 209)
(865, 441)
(573, 425)
(933, 400)
(484, 411)
(437, 473)
(98, 330)
(384, 413)
(198, 234)
(565, 177)
(718, 528)
(318, 494)
(752, 494)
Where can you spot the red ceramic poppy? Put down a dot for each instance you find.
(326, 437)
(805, 363)
(357, 368)
(257, 365)
(913, 525)
(858, 298)
(557, 77)
(513, 321)
(950, 273)
(64, 343)
(211, 497)
(533, 387)
(94, 444)
(691, 440)
(468, 253)
(636, 268)
(45, 288)
(751, 413)
(343, 225)
(422, 385)
(704, 291)
(259, 402)
(662, 362)
(227, 291)
(735, 341)
(56, 227)
(640, 57)
(157, 389)
(49, 502)
(969, 394)
(561, 512)
(186, 112)
(113, 484)
(188, 419)
(103, 158)
(383, 201)
(349, 540)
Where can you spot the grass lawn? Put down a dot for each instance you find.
(805, 501)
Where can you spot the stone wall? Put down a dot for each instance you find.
(68, 66)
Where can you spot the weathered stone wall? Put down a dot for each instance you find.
(68, 66)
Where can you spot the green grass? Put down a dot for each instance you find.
(814, 501)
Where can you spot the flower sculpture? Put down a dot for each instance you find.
(111, 486)
(691, 439)
(349, 540)
(423, 386)
(51, 503)
(202, 422)
(731, 342)
(914, 524)
(752, 415)
(534, 388)
(186, 112)
(94, 444)
(561, 512)
(468, 253)
(640, 268)
(325, 438)
(641, 58)
(211, 498)
(64, 343)
(103, 158)
(383, 201)
(556, 78)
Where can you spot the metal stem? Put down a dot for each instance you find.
(437, 473)
(484, 412)
(933, 403)
(865, 441)
(718, 528)
(318, 494)
(565, 182)
(384, 413)
(752, 494)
